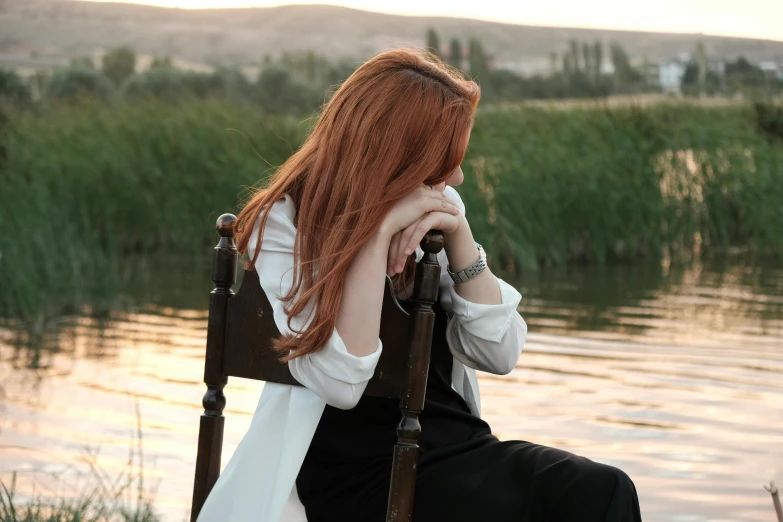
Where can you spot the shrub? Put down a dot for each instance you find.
(278, 92)
(76, 84)
(173, 85)
(13, 89)
(119, 64)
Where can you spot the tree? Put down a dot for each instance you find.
(626, 78)
(455, 53)
(163, 62)
(568, 65)
(13, 89)
(76, 84)
(173, 85)
(83, 61)
(743, 76)
(279, 92)
(573, 46)
(587, 59)
(598, 57)
(553, 61)
(433, 42)
(693, 85)
(119, 64)
(701, 61)
(477, 60)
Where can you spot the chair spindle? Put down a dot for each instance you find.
(406, 450)
(210, 433)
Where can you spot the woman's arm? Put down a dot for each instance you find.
(359, 318)
(335, 373)
(339, 372)
(485, 330)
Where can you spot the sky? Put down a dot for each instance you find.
(747, 18)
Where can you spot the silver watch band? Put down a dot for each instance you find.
(471, 271)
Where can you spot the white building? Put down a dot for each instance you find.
(772, 68)
(670, 76)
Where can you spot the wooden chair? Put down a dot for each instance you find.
(240, 331)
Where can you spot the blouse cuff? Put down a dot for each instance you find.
(487, 321)
(335, 361)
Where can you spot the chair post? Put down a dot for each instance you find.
(406, 450)
(210, 433)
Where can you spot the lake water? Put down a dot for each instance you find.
(671, 373)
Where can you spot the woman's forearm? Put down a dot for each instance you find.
(462, 252)
(359, 317)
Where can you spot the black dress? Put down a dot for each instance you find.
(465, 473)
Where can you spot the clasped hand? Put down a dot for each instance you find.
(412, 217)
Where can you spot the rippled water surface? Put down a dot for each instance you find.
(673, 374)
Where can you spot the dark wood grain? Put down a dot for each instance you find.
(210, 433)
(240, 333)
(406, 450)
(251, 330)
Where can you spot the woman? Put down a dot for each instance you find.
(345, 211)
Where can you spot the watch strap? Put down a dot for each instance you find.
(471, 271)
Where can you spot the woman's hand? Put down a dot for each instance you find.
(412, 217)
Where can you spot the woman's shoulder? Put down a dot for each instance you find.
(281, 215)
(284, 208)
(279, 231)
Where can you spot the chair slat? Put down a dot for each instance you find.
(251, 329)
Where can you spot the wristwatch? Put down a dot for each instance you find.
(471, 271)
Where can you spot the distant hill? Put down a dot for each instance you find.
(50, 31)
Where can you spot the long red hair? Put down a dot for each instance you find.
(401, 119)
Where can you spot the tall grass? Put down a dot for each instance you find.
(86, 188)
(94, 505)
(596, 184)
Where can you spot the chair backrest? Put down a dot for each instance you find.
(240, 332)
(250, 330)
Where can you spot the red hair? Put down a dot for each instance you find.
(401, 119)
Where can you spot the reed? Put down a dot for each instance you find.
(87, 188)
(95, 505)
(94, 496)
(594, 184)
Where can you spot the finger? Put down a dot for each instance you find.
(405, 238)
(435, 201)
(391, 261)
(402, 254)
(433, 220)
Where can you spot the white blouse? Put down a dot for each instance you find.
(258, 483)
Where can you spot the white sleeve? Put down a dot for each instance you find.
(332, 373)
(482, 336)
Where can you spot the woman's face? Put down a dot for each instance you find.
(454, 180)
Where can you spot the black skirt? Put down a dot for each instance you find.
(465, 473)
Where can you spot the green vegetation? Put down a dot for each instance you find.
(294, 83)
(76, 84)
(119, 64)
(86, 188)
(13, 90)
(595, 185)
(97, 505)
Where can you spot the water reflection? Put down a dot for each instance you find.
(672, 373)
